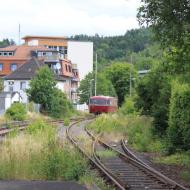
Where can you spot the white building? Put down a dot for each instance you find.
(81, 53)
(19, 80)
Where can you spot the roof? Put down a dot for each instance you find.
(28, 70)
(25, 71)
(22, 52)
(45, 37)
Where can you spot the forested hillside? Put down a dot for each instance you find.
(119, 47)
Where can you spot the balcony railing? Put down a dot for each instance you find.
(49, 58)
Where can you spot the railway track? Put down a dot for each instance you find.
(21, 125)
(123, 169)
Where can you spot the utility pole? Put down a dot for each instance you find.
(19, 34)
(130, 79)
(95, 82)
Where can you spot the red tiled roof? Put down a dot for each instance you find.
(22, 52)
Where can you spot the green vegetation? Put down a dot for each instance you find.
(43, 91)
(6, 42)
(179, 117)
(137, 130)
(128, 107)
(153, 97)
(175, 159)
(92, 177)
(116, 48)
(37, 154)
(104, 86)
(106, 153)
(17, 112)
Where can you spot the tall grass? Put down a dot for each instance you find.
(136, 129)
(37, 154)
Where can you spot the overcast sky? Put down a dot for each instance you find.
(67, 17)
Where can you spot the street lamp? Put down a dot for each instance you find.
(91, 87)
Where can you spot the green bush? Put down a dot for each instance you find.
(179, 117)
(60, 105)
(17, 112)
(153, 98)
(128, 107)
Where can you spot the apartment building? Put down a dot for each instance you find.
(80, 53)
(13, 57)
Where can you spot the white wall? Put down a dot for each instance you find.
(16, 88)
(81, 53)
(24, 97)
(33, 43)
(60, 85)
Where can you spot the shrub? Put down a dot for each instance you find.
(66, 121)
(60, 105)
(153, 98)
(17, 111)
(179, 117)
(128, 107)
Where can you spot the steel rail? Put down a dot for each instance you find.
(137, 162)
(101, 168)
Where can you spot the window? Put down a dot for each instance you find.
(98, 102)
(10, 88)
(1, 66)
(66, 68)
(10, 85)
(13, 66)
(69, 68)
(5, 53)
(10, 53)
(23, 85)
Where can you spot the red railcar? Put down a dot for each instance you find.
(102, 104)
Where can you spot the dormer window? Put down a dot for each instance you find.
(6, 53)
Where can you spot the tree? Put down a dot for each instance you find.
(42, 87)
(153, 97)
(87, 87)
(6, 42)
(43, 90)
(59, 105)
(179, 117)
(169, 19)
(119, 74)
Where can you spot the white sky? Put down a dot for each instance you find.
(67, 17)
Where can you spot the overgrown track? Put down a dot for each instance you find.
(107, 175)
(21, 125)
(130, 170)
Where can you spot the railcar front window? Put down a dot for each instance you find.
(98, 102)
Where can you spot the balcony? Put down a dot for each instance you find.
(51, 58)
(74, 66)
(75, 79)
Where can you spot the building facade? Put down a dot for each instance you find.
(80, 53)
